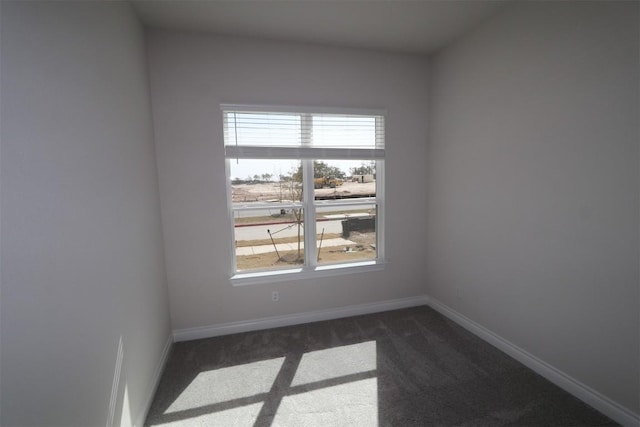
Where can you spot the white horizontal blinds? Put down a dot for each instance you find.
(263, 129)
(345, 131)
(252, 133)
(380, 131)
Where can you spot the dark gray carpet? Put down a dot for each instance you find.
(410, 367)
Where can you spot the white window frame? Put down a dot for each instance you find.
(307, 155)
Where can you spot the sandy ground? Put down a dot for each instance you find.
(359, 246)
(273, 190)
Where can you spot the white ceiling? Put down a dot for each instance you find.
(420, 27)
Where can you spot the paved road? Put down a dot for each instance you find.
(267, 212)
(262, 249)
(260, 231)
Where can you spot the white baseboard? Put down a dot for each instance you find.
(294, 319)
(155, 382)
(583, 392)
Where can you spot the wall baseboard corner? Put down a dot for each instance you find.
(583, 392)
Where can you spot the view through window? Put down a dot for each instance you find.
(306, 187)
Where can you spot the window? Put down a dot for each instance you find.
(305, 189)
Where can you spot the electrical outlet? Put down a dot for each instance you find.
(275, 296)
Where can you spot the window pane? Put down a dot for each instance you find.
(262, 129)
(272, 242)
(262, 211)
(260, 182)
(344, 179)
(342, 131)
(346, 233)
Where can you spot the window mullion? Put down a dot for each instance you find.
(309, 214)
(310, 251)
(380, 211)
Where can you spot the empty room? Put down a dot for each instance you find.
(319, 213)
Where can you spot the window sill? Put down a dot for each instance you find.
(243, 279)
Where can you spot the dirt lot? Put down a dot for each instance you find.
(362, 249)
(274, 191)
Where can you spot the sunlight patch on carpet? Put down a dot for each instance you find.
(350, 404)
(228, 384)
(241, 416)
(336, 362)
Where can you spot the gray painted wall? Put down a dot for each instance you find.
(532, 219)
(191, 75)
(82, 256)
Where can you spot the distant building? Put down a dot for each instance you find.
(362, 178)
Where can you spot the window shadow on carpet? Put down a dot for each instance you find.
(397, 368)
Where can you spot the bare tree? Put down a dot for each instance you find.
(296, 195)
